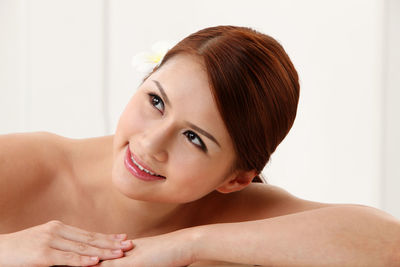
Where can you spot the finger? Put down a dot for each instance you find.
(85, 249)
(71, 259)
(128, 253)
(112, 263)
(92, 238)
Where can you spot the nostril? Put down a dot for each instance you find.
(161, 156)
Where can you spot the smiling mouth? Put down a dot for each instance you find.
(144, 169)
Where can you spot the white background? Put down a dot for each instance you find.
(65, 68)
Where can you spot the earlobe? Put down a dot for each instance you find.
(238, 182)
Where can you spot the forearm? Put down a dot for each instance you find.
(334, 236)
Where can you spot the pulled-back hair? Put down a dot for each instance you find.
(254, 84)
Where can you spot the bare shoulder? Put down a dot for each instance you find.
(27, 160)
(41, 177)
(261, 201)
(28, 149)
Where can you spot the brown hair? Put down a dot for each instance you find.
(254, 84)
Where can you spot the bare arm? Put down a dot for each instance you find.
(334, 236)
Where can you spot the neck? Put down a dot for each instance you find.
(149, 218)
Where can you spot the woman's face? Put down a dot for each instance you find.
(172, 127)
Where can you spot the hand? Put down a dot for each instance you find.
(167, 250)
(55, 243)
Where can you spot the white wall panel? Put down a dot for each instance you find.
(66, 66)
(57, 47)
(12, 66)
(333, 153)
(391, 181)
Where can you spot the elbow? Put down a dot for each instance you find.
(386, 233)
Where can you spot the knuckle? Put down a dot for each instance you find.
(116, 244)
(53, 225)
(82, 260)
(55, 222)
(74, 259)
(82, 247)
(106, 253)
(69, 256)
(91, 237)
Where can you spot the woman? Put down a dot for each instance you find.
(176, 178)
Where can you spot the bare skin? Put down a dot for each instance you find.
(83, 177)
(77, 192)
(85, 184)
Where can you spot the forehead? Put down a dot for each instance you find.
(184, 74)
(185, 82)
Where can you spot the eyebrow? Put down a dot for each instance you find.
(162, 91)
(197, 128)
(203, 132)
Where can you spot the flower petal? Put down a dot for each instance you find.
(162, 46)
(144, 62)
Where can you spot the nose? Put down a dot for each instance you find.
(155, 141)
(161, 156)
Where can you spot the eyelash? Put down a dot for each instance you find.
(190, 135)
(202, 146)
(154, 96)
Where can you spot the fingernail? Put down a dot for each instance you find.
(119, 236)
(94, 258)
(117, 251)
(125, 243)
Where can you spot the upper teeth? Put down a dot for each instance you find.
(143, 169)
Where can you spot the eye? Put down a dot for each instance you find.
(157, 102)
(196, 140)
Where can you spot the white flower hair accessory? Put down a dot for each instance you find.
(144, 62)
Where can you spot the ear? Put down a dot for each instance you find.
(238, 181)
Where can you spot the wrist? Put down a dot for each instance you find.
(193, 242)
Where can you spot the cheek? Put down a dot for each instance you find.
(136, 117)
(196, 177)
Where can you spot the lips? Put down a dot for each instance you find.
(138, 169)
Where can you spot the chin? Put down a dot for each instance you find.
(125, 185)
